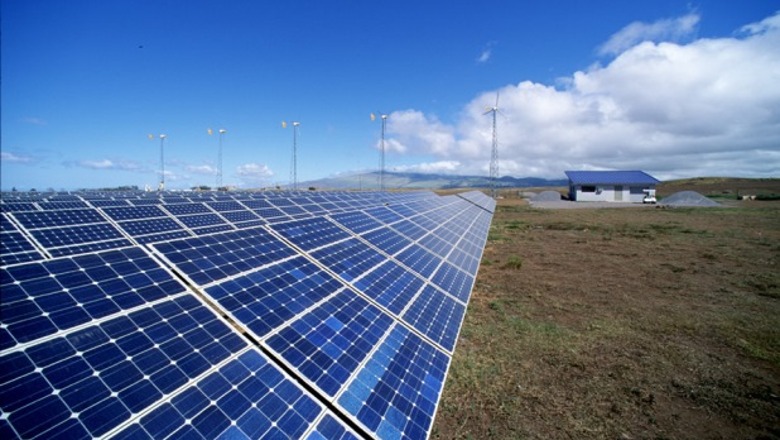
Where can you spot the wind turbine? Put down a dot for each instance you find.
(219, 157)
(494, 154)
(162, 161)
(294, 167)
(383, 116)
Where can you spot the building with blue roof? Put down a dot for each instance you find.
(610, 186)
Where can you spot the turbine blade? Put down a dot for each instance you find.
(496, 99)
(373, 117)
(284, 124)
(210, 131)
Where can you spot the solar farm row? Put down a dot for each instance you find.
(232, 315)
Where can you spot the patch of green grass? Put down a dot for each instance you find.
(513, 262)
(516, 224)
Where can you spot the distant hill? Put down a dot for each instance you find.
(394, 180)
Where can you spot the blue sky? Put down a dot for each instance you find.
(676, 88)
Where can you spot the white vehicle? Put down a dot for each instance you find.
(649, 196)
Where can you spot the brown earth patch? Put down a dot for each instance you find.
(622, 324)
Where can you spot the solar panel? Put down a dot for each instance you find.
(232, 315)
(14, 246)
(311, 233)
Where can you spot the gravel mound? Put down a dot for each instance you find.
(688, 198)
(547, 196)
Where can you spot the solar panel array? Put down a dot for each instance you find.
(232, 315)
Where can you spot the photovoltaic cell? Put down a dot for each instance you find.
(245, 398)
(110, 344)
(436, 315)
(329, 428)
(387, 239)
(211, 258)
(390, 285)
(328, 344)
(395, 394)
(454, 281)
(311, 233)
(266, 299)
(419, 260)
(93, 378)
(384, 215)
(349, 259)
(14, 246)
(40, 299)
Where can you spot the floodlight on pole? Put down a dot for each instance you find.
(494, 152)
(162, 160)
(294, 164)
(222, 131)
(383, 117)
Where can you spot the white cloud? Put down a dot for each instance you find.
(15, 158)
(416, 133)
(670, 29)
(486, 53)
(440, 167)
(707, 107)
(107, 164)
(33, 121)
(201, 169)
(254, 173)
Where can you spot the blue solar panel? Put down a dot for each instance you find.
(17, 206)
(246, 397)
(211, 258)
(134, 213)
(329, 343)
(264, 300)
(410, 229)
(74, 235)
(454, 281)
(395, 394)
(384, 215)
(436, 315)
(419, 260)
(111, 344)
(43, 219)
(311, 233)
(388, 240)
(390, 285)
(40, 299)
(91, 378)
(329, 428)
(14, 246)
(188, 208)
(349, 259)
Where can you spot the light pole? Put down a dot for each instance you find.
(294, 165)
(383, 116)
(162, 162)
(219, 159)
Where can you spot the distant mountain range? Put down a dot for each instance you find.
(394, 180)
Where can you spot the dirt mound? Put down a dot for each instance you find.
(688, 198)
(547, 196)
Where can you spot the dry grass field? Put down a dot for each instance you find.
(622, 324)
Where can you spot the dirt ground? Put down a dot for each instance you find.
(621, 324)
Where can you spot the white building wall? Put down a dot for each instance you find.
(605, 193)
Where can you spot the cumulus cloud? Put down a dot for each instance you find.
(440, 167)
(486, 53)
(16, 158)
(34, 121)
(706, 107)
(670, 29)
(107, 164)
(201, 169)
(254, 173)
